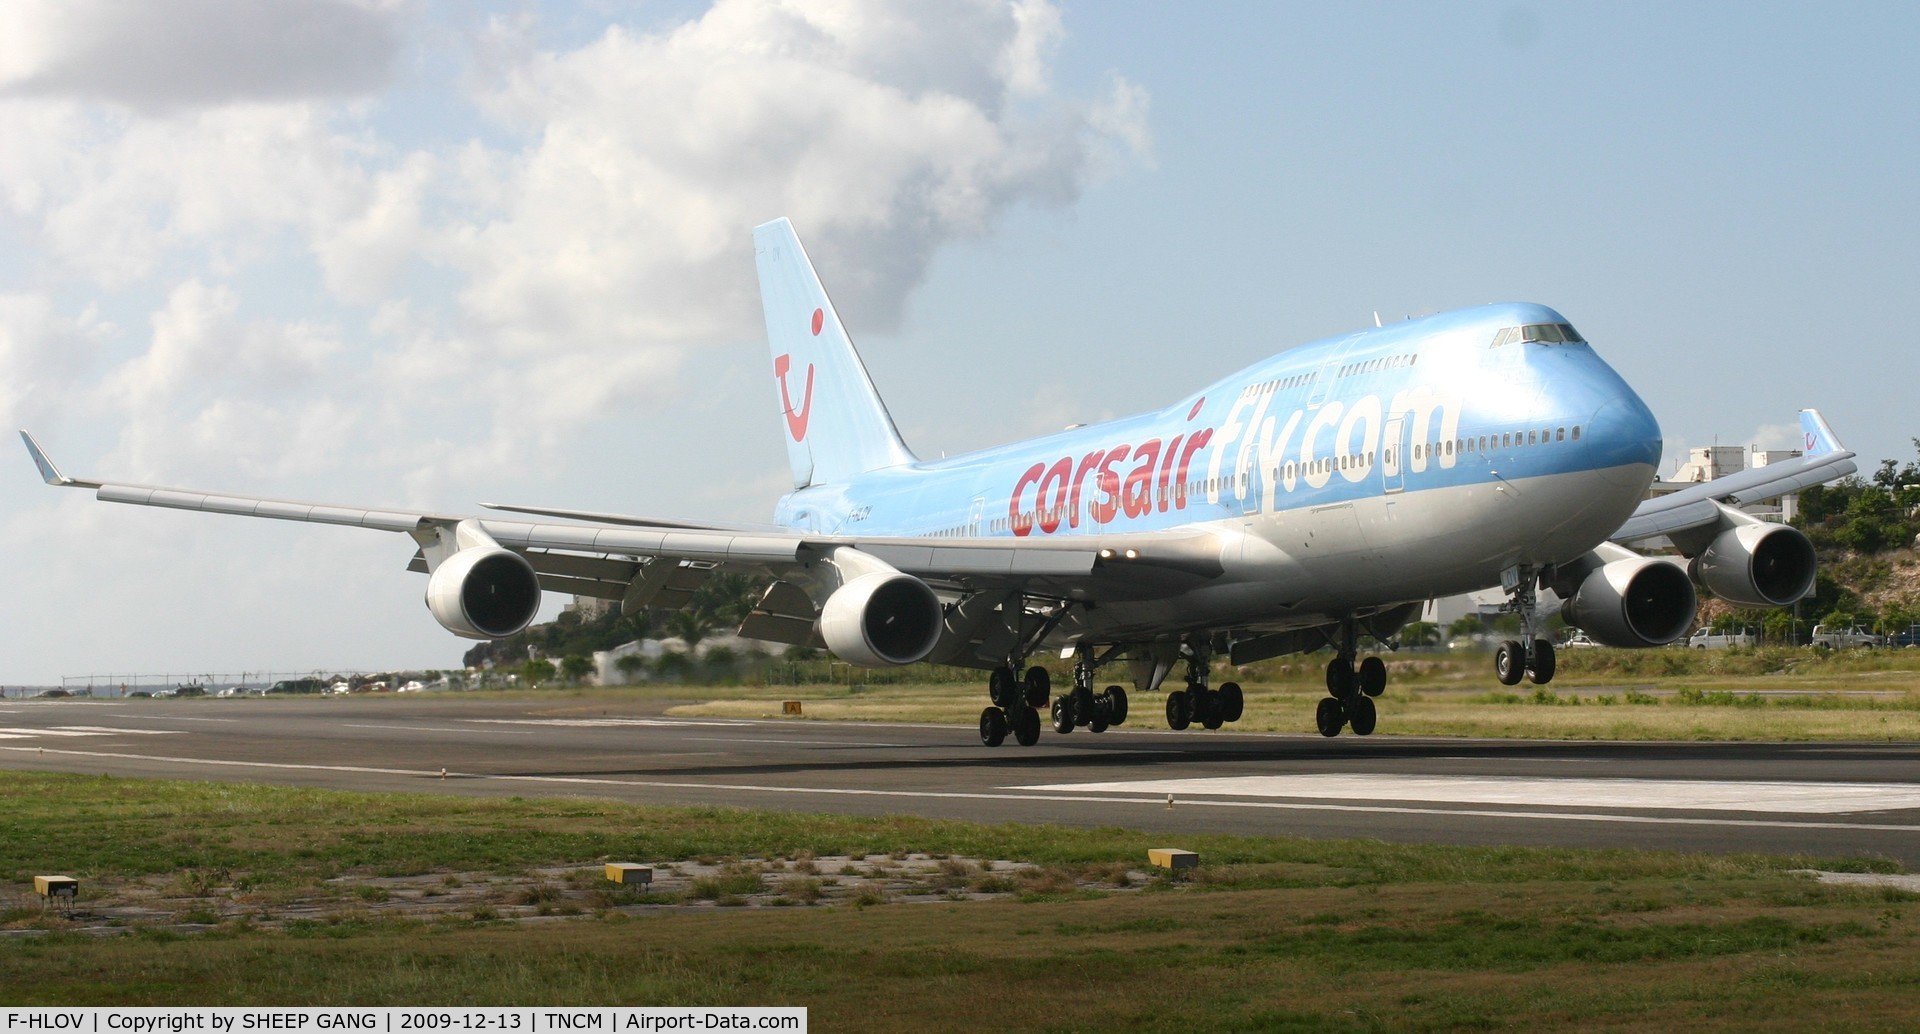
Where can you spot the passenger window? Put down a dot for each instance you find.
(1576, 432)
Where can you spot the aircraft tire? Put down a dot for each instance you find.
(1233, 703)
(1084, 707)
(993, 727)
(1039, 686)
(1177, 716)
(1000, 687)
(1339, 678)
(1119, 698)
(1062, 715)
(1373, 676)
(1509, 663)
(1361, 714)
(1026, 726)
(1329, 717)
(1540, 672)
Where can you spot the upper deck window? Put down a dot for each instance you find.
(1539, 333)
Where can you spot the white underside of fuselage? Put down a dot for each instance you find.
(1308, 566)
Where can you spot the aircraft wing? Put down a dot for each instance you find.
(603, 559)
(1822, 460)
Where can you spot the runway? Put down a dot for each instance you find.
(1825, 799)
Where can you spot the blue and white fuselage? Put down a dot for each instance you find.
(1429, 456)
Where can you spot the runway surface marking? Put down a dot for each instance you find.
(1679, 794)
(435, 728)
(606, 723)
(80, 730)
(427, 776)
(796, 742)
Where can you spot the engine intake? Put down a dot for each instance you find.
(1757, 565)
(1634, 603)
(484, 593)
(882, 620)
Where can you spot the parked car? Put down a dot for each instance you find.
(1708, 639)
(1577, 641)
(1833, 637)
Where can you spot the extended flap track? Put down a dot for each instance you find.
(636, 584)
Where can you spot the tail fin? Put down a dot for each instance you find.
(1816, 438)
(835, 424)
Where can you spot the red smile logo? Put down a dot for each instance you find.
(796, 415)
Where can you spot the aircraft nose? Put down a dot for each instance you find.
(1623, 441)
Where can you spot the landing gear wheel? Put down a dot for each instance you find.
(1177, 716)
(1329, 717)
(1339, 678)
(1360, 714)
(1084, 709)
(1062, 715)
(1540, 672)
(1101, 716)
(1119, 698)
(1026, 726)
(1039, 686)
(1206, 708)
(1373, 677)
(993, 727)
(1509, 663)
(1000, 688)
(1232, 702)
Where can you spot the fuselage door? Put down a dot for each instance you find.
(1393, 454)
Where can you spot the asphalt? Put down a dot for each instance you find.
(1823, 799)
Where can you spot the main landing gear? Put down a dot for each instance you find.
(1016, 705)
(1350, 687)
(1017, 700)
(1081, 706)
(1212, 708)
(1530, 658)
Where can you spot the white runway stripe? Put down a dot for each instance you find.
(605, 723)
(1676, 794)
(97, 730)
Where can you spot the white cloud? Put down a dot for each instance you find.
(191, 53)
(252, 273)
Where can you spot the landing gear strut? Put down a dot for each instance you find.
(1350, 687)
(1212, 708)
(1530, 658)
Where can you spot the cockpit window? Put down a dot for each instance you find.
(1539, 333)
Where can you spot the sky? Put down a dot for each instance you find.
(426, 254)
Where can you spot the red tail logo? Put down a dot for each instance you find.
(796, 415)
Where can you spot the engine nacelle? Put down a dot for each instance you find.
(1757, 565)
(484, 593)
(881, 620)
(1637, 602)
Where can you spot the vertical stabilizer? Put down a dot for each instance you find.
(833, 421)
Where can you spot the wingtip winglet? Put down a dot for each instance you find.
(48, 472)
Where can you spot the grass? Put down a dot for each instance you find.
(1771, 694)
(1271, 933)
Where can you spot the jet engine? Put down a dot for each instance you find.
(1633, 602)
(484, 592)
(881, 619)
(1757, 565)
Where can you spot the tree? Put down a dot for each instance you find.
(630, 666)
(1420, 633)
(536, 672)
(1465, 626)
(576, 668)
(690, 626)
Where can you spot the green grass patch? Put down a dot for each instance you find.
(1270, 933)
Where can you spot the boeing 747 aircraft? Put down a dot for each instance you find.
(1312, 500)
